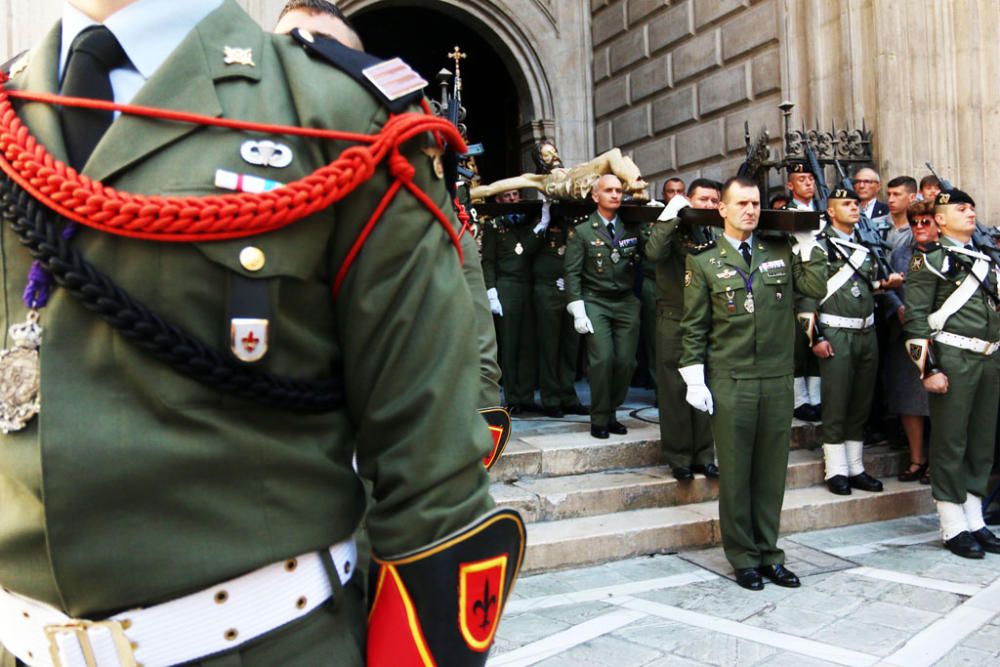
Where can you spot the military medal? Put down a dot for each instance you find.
(731, 303)
(615, 256)
(855, 290)
(20, 375)
(519, 249)
(748, 303)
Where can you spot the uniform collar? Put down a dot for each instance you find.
(605, 220)
(735, 243)
(148, 30)
(802, 205)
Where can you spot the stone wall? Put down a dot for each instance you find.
(676, 79)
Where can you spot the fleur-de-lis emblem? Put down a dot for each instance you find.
(483, 606)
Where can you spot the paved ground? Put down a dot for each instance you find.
(875, 594)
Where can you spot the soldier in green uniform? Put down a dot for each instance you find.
(139, 481)
(509, 243)
(952, 331)
(557, 339)
(739, 321)
(685, 433)
(601, 256)
(647, 310)
(841, 333)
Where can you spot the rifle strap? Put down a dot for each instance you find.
(960, 296)
(851, 267)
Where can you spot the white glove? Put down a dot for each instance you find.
(674, 207)
(581, 322)
(560, 284)
(543, 224)
(655, 203)
(804, 244)
(698, 395)
(495, 306)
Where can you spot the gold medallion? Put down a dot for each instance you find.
(20, 376)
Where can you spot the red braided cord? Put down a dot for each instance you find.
(185, 219)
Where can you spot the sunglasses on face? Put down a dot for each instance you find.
(923, 222)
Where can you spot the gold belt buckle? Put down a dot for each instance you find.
(81, 629)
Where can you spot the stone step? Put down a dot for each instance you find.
(607, 491)
(597, 539)
(569, 448)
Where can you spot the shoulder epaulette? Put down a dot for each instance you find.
(697, 249)
(394, 83)
(928, 247)
(7, 67)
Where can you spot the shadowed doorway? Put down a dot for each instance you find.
(424, 38)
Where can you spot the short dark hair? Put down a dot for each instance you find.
(316, 7)
(930, 179)
(907, 182)
(741, 181)
(672, 179)
(706, 183)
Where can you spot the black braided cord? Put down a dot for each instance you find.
(186, 354)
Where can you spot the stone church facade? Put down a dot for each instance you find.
(672, 82)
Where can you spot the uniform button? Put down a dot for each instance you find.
(252, 259)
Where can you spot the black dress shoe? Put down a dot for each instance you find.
(965, 545)
(780, 575)
(749, 578)
(708, 470)
(617, 428)
(864, 482)
(682, 473)
(576, 409)
(599, 431)
(987, 540)
(555, 413)
(807, 413)
(838, 484)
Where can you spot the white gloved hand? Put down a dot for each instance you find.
(495, 306)
(543, 224)
(804, 244)
(698, 395)
(581, 322)
(560, 284)
(674, 207)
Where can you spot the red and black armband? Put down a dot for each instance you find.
(921, 353)
(498, 421)
(441, 605)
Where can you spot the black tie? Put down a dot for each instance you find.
(94, 53)
(611, 229)
(745, 251)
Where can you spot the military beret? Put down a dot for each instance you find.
(844, 193)
(947, 197)
(798, 168)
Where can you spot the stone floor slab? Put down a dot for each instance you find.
(800, 559)
(863, 636)
(604, 651)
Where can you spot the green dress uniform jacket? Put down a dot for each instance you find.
(647, 315)
(963, 420)
(558, 341)
(747, 351)
(600, 271)
(509, 242)
(135, 484)
(685, 433)
(848, 377)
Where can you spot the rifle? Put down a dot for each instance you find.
(822, 190)
(981, 237)
(867, 233)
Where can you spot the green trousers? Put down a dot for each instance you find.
(647, 330)
(848, 382)
(685, 433)
(752, 427)
(963, 424)
(333, 634)
(558, 344)
(516, 332)
(610, 352)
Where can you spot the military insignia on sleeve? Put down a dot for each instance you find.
(917, 263)
(687, 279)
(481, 599)
(236, 56)
(248, 339)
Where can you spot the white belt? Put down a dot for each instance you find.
(216, 619)
(838, 322)
(965, 343)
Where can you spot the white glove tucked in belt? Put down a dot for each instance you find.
(495, 306)
(698, 394)
(581, 322)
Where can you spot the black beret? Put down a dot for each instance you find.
(946, 197)
(798, 168)
(844, 193)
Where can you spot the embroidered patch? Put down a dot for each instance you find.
(394, 79)
(917, 263)
(481, 599)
